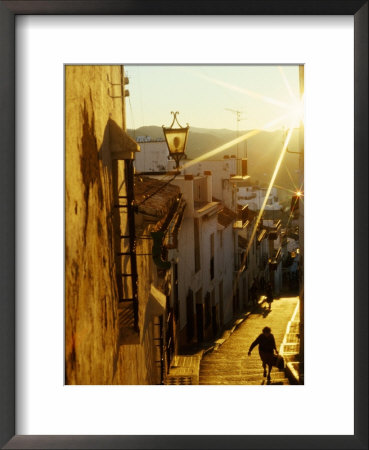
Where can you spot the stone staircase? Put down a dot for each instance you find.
(184, 370)
(229, 364)
(217, 370)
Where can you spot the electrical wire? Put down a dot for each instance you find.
(132, 118)
(158, 190)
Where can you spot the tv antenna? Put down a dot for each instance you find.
(238, 119)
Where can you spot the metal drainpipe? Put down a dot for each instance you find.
(123, 98)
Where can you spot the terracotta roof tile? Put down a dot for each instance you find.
(164, 195)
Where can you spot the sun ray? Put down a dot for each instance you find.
(232, 143)
(289, 174)
(287, 84)
(221, 148)
(252, 94)
(271, 183)
(297, 113)
(301, 189)
(291, 191)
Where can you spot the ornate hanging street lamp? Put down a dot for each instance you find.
(176, 139)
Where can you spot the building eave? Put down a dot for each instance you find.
(239, 178)
(211, 207)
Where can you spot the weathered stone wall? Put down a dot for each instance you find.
(92, 184)
(90, 283)
(136, 363)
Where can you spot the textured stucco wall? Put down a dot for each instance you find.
(228, 272)
(90, 294)
(136, 362)
(152, 157)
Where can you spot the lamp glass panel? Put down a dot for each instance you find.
(176, 140)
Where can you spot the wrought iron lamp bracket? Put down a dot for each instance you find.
(175, 120)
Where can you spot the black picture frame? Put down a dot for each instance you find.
(8, 12)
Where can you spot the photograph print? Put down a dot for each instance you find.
(184, 219)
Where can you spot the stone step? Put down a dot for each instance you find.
(242, 376)
(263, 382)
(235, 371)
(243, 363)
(233, 366)
(255, 374)
(228, 363)
(249, 373)
(215, 356)
(240, 363)
(229, 359)
(227, 352)
(245, 373)
(232, 360)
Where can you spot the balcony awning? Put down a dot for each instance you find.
(121, 145)
(226, 216)
(157, 302)
(261, 235)
(240, 225)
(239, 178)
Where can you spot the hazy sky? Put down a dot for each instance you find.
(201, 94)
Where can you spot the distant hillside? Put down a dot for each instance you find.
(263, 151)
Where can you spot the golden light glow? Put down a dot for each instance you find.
(284, 189)
(297, 113)
(271, 183)
(293, 119)
(292, 181)
(286, 82)
(234, 142)
(295, 108)
(252, 94)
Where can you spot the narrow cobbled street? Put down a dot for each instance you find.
(229, 364)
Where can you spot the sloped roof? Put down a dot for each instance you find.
(154, 197)
(226, 216)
